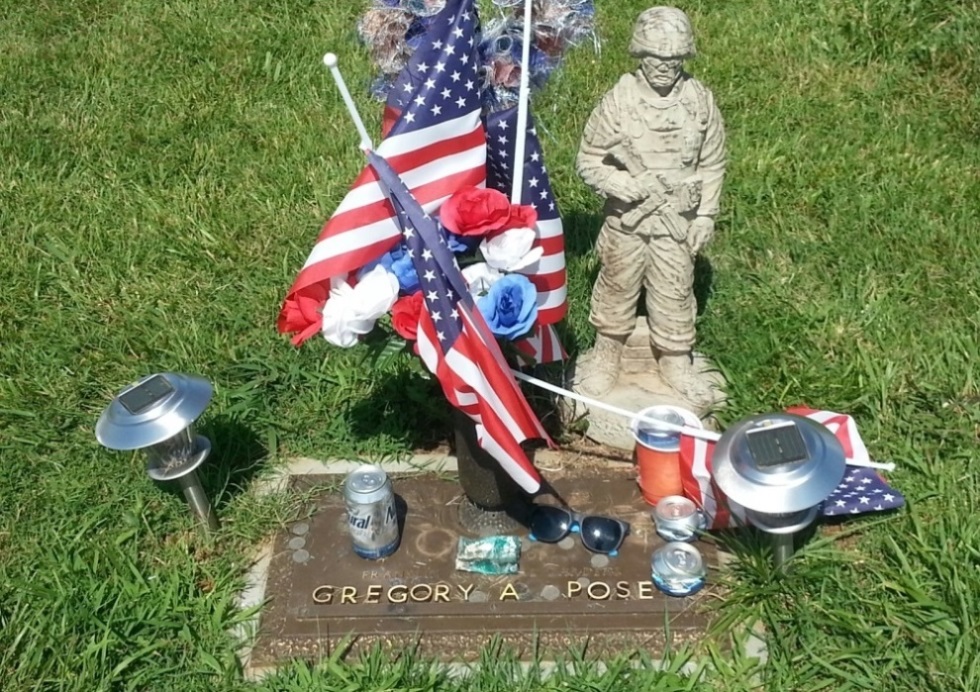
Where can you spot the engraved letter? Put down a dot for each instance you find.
(623, 590)
(348, 592)
(601, 593)
(401, 596)
(509, 591)
(373, 594)
(421, 593)
(644, 590)
(574, 589)
(441, 593)
(323, 594)
(465, 590)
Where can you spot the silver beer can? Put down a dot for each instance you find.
(678, 569)
(678, 519)
(371, 516)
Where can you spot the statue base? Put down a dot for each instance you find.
(640, 386)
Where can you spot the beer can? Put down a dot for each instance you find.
(678, 569)
(678, 519)
(371, 516)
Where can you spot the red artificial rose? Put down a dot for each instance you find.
(405, 314)
(522, 216)
(478, 212)
(300, 313)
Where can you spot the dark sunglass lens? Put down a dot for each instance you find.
(550, 524)
(602, 535)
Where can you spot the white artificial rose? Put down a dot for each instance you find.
(351, 311)
(511, 250)
(479, 278)
(336, 314)
(375, 293)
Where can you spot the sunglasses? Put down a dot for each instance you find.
(599, 534)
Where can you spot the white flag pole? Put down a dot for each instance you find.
(330, 60)
(522, 99)
(708, 435)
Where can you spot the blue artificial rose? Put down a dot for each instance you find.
(398, 263)
(459, 244)
(510, 306)
(404, 271)
(386, 260)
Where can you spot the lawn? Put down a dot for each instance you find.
(164, 169)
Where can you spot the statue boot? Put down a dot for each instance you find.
(598, 368)
(677, 370)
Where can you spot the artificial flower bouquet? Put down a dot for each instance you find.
(492, 241)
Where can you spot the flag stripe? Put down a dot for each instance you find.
(551, 234)
(510, 459)
(329, 251)
(547, 282)
(415, 168)
(542, 344)
(548, 264)
(552, 300)
(417, 142)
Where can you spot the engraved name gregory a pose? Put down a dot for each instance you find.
(441, 592)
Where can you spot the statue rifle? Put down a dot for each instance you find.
(655, 203)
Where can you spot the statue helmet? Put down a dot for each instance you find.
(664, 32)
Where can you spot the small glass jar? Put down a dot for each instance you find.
(678, 569)
(678, 519)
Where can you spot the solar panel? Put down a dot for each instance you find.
(776, 445)
(146, 394)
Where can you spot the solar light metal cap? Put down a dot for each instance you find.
(778, 464)
(156, 414)
(152, 410)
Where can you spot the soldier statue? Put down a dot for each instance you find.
(654, 147)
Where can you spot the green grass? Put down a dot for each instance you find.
(164, 168)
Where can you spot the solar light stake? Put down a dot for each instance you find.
(157, 415)
(782, 549)
(198, 501)
(776, 469)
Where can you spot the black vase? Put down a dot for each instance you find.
(494, 502)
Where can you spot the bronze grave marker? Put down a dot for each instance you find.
(319, 591)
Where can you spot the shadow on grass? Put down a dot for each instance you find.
(236, 458)
(704, 275)
(404, 407)
(581, 230)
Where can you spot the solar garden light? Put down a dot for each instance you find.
(157, 414)
(778, 468)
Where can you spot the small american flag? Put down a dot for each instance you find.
(861, 491)
(548, 273)
(455, 342)
(435, 141)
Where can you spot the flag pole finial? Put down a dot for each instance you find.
(330, 60)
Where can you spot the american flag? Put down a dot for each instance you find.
(548, 273)
(861, 491)
(435, 142)
(455, 342)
